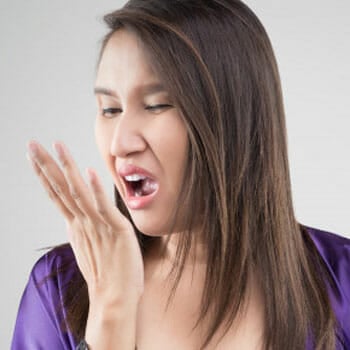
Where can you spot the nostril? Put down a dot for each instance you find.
(127, 139)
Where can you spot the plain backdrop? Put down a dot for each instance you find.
(48, 52)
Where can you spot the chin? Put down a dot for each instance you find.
(151, 231)
(156, 228)
(149, 227)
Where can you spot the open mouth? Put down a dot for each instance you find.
(140, 186)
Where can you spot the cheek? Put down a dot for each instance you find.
(182, 148)
(181, 159)
(179, 142)
(103, 139)
(172, 145)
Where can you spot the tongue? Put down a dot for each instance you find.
(148, 186)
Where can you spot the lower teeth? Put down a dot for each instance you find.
(145, 188)
(138, 194)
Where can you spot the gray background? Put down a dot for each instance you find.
(47, 54)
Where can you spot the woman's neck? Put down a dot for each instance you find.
(161, 257)
(196, 254)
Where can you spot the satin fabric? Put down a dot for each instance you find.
(39, 315)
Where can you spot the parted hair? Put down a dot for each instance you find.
(216, 61)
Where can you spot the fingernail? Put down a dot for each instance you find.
(33, 149)
(59, 149)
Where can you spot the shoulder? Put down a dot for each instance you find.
(41, 318)
(333, 247)
(57, 264)
(334, 250)
(50, 277)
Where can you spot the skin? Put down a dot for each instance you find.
(140, 131)
(127, 294)
(103, 242)
(102, 239)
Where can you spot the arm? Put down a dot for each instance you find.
(105, 247)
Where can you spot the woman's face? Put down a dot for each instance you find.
(140, 134)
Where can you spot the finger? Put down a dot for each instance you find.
(78, 189)
(105, 208)
(54, 176)
(82, 249)
(52, 194)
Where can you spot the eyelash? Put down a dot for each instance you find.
(118, 110)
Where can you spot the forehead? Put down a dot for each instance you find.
(124, 58)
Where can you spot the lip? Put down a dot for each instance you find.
(134, 202)
(128, 169)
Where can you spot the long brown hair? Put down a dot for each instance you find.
(217, 62)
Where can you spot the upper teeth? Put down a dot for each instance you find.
(135, 177)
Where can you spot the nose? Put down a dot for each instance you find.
(127, 137)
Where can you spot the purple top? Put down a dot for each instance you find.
(37, 325)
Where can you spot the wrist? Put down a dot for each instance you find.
(106, 299)
(104, 312)
(111, 327)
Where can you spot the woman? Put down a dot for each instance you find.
(202, 249)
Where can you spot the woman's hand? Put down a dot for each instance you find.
(103, 240)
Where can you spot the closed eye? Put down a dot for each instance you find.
(110, 112)
(158, 107)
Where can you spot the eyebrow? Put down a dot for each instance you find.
(146, 89)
